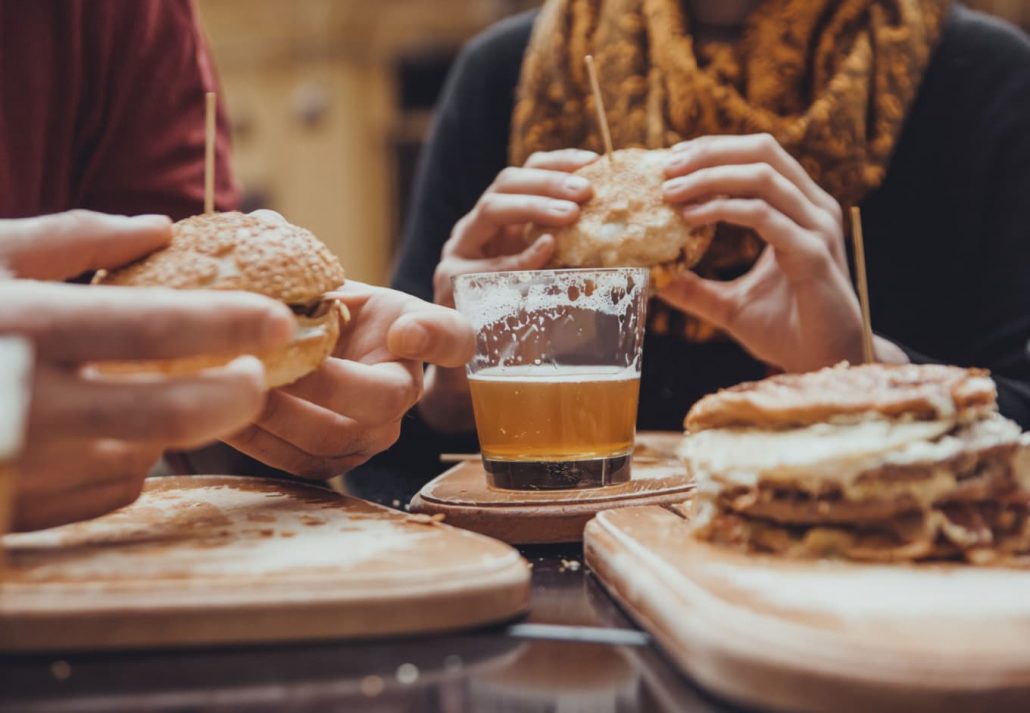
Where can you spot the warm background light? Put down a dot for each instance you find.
(331, 99)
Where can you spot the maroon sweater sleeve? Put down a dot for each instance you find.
(102, 107)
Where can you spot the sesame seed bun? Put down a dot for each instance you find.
(254, 253)
(627, 223)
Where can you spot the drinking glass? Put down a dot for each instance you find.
(555, 379)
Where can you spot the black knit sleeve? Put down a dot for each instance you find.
(467, 147)
(1002, 295)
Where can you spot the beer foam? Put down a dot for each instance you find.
(556, 374)
(487, 299)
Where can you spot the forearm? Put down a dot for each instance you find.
(446, 406)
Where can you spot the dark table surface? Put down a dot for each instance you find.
(576, 651)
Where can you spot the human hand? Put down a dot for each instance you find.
(490, 237)
(351, 407)
(93, 438)
(796, 308)
(64, 245)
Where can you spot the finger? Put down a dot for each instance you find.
(497, 210)
(716, 302)
(63, 245)
(708, 151)
(800, 253)
(183, 412)
(49, 467)
(552, 184)
(83, 503)
(566, 160)
(759, 180)
(535, 257)
(285, 456)
(320, 433)
(75, 323)
(370, 394)
(433, 335)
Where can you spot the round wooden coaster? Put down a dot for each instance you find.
(218, 560)
(519, 517)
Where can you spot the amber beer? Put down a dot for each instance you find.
(562, 419)
(543, 414)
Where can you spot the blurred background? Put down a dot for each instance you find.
(330, 101)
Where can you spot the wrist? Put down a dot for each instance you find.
(446, 406)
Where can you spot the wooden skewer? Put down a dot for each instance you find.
(602, 116)
(863, 284)
(209, 153)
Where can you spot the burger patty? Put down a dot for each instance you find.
(987, 532)
(893, 489)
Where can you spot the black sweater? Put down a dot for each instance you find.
(947, 234)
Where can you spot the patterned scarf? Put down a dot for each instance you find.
(831, 80)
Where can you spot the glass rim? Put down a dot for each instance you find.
(556, 271)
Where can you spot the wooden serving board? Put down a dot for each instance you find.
(819, 636)
(219, 559)
(523, 517)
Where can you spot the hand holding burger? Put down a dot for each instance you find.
(796, 308)
(351, 407)
(355, 365)
(492, 236)
(92, 438)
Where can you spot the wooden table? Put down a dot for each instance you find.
(576, 650)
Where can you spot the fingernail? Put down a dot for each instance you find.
(415, 340)
(673, 184)
(542, 241)
(676, 162)
(152, 221)
(576, 184)
(683, 145)
(562, 208)
(584, 153)
(249, 365)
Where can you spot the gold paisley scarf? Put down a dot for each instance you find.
(831, 80)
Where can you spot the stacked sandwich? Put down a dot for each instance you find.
(874, 463)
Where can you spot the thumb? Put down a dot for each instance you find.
(710, 300)
(435, 335)
(64, 245)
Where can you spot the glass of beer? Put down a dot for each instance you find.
(15, 384)
(555, 379)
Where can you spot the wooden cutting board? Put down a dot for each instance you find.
(527, 517)
(216, 559)
(819, 636)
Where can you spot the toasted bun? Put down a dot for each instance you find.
(254, 253)
(923, 392)
(627, 223)
(233, 251)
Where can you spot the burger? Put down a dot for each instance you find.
(627, 223)
(255, 253)
(872, 463)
